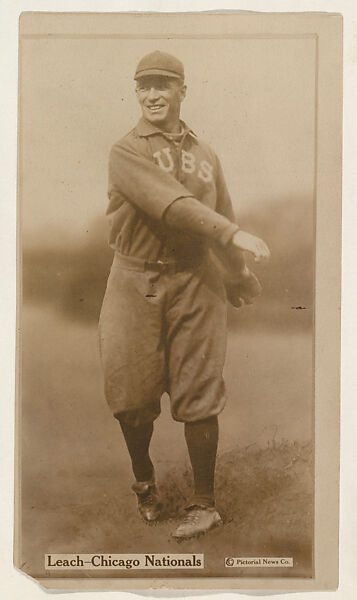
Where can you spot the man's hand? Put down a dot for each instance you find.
(251, 243)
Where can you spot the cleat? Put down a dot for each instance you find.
(149, 504)
(197, 521)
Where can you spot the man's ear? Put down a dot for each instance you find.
(183, 91)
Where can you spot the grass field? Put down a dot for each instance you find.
(76, 478)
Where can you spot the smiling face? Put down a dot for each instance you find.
(160, 99)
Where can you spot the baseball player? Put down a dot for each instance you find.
(178, 255)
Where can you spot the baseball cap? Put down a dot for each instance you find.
(160, 63)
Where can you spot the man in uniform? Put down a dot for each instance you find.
(163, 320)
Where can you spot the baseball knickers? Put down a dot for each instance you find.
(163, 329)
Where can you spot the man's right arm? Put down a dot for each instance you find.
(159, 195)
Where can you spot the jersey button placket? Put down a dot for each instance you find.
(180, 174)
(175, 153)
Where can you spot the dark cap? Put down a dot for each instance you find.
(160, 63)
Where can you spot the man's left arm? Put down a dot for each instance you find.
(224, 203)
(231, 259)
(241, 283)
(241, 240)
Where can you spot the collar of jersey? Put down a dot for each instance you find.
(146, 129)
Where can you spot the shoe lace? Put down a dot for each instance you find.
(192, 516)
(148, 499)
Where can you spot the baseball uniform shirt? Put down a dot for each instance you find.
(163, 319)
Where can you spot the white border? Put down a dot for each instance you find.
(16, 585)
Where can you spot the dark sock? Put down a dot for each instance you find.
(137, 439)
(202, 439)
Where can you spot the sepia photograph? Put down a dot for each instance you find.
(168, 271)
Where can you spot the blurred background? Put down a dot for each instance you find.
(253, 101)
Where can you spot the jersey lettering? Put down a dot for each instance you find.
(188, 162)
(169, 166)
(205, 171)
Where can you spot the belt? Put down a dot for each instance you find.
(132, 263)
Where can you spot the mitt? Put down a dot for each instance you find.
(242, 286)
(242, 290)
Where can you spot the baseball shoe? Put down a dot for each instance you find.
(197, 520)
(149, 504)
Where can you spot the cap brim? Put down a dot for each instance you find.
(162, 72)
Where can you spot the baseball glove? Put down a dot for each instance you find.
(244, 289)
(242, 286)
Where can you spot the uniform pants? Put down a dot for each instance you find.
(163, 329)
